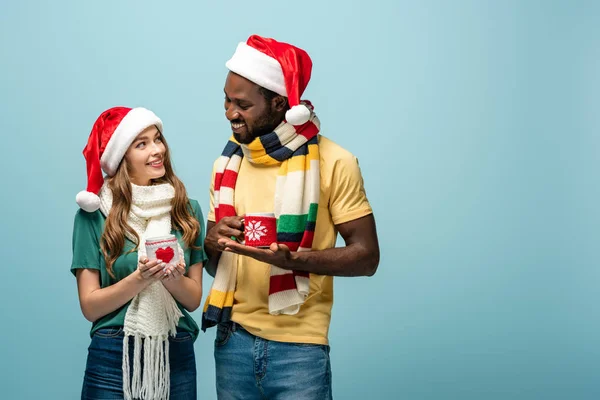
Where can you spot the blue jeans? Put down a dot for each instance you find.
(104, 370)
(249, 367)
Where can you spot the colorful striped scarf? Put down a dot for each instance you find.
(296, 150)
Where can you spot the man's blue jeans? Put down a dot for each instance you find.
(249, 367)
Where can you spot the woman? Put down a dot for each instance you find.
(142, 334)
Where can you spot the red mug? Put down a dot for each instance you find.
(260, 229)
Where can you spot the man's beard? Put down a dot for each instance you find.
(263, 126)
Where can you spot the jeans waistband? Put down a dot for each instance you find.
(233, 326)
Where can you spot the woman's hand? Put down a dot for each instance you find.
(151, 271)
(174, 272)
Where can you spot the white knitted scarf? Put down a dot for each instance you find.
(153, 314)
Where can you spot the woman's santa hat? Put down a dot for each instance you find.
(112, 134)
(277, 66)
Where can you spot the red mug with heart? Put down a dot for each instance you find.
(260, 229)
(163, 248)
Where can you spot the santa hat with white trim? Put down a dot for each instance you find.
(112, 134)
(277, 66)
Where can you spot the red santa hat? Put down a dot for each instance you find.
(277, 66)
(112, 134)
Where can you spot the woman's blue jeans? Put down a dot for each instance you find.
(103, 378)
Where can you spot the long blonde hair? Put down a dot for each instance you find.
(113, 237)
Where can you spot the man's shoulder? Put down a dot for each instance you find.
(330, 151)
(214, 166)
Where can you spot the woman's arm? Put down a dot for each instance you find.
(186, 289)
(97, 302)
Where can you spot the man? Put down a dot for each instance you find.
(273, 305)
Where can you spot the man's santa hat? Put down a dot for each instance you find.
(277, 66)
(112, 134)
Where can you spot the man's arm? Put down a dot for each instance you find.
(360, 256)
(211, 252)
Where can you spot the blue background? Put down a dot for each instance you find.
(477, 128)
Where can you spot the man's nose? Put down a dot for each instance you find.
(231, 113)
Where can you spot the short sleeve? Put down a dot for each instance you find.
(348, 200)
(198, 255)
(87, 230)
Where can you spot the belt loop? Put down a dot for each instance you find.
(233, 327)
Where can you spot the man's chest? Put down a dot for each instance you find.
(255, 188)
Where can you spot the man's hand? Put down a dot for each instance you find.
(278, 255)
(226, 228)
(360, 256)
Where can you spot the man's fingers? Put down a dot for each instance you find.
(229, 223)
(229, 232)
(233, 222)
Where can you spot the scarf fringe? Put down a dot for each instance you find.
(150, 378)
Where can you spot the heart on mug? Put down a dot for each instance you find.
(165, 254)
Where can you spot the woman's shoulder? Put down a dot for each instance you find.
(195, 206)
(93, 219)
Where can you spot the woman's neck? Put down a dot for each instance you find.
(140, 182)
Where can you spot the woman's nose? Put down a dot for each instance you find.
(157, 149)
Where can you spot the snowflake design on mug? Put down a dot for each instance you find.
(255, 230)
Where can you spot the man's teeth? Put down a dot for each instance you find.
(236, 125)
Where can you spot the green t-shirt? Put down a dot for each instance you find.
(87, 232)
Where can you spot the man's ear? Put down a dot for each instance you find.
(279, 103)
